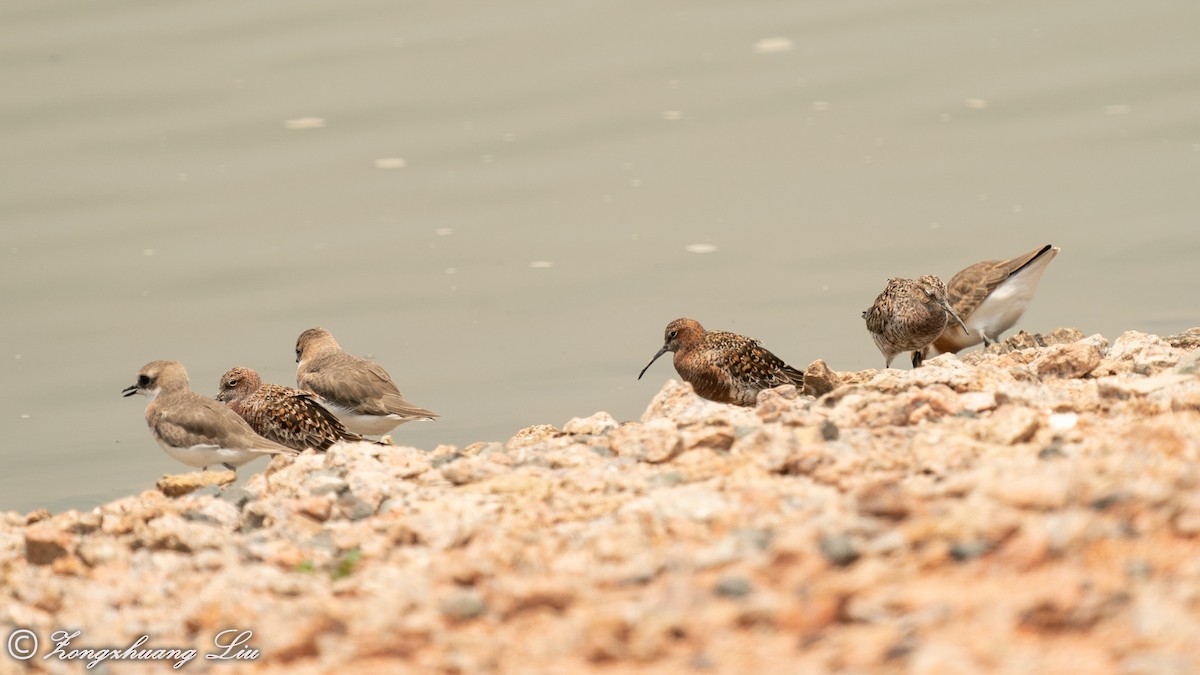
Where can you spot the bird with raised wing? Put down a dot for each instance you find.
(991, 296)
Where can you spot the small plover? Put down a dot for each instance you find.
(908, 316)
(194, 429)
(359, 392)
(721, 366)
(283, 414)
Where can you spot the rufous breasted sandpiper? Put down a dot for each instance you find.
(721, 366)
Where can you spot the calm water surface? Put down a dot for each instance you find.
(496, 200)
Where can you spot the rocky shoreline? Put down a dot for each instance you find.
(1031, 507)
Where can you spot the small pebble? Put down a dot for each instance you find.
(463, 605)
(733, 586)
(839, 550)
(238, 496)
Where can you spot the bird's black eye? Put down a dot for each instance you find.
(672, 335)
(143, 381)
(231, 383)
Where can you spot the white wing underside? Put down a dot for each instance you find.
(1005, 305)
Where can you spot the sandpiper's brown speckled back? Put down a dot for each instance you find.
(908, 315)
(731, 368)
(283, 414)
(723, 367)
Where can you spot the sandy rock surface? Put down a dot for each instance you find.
(1033, 507)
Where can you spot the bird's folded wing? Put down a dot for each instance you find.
(207, 422)
(875, 319)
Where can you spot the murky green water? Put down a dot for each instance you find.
(495, 200)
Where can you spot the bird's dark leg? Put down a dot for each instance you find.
(229, 466)
(917, 359)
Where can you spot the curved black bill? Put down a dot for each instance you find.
(954, 315)
(660, 353)
(129, 391)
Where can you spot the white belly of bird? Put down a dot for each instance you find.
(366, 425)
(201, 456)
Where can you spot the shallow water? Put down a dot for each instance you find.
(495, 201)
